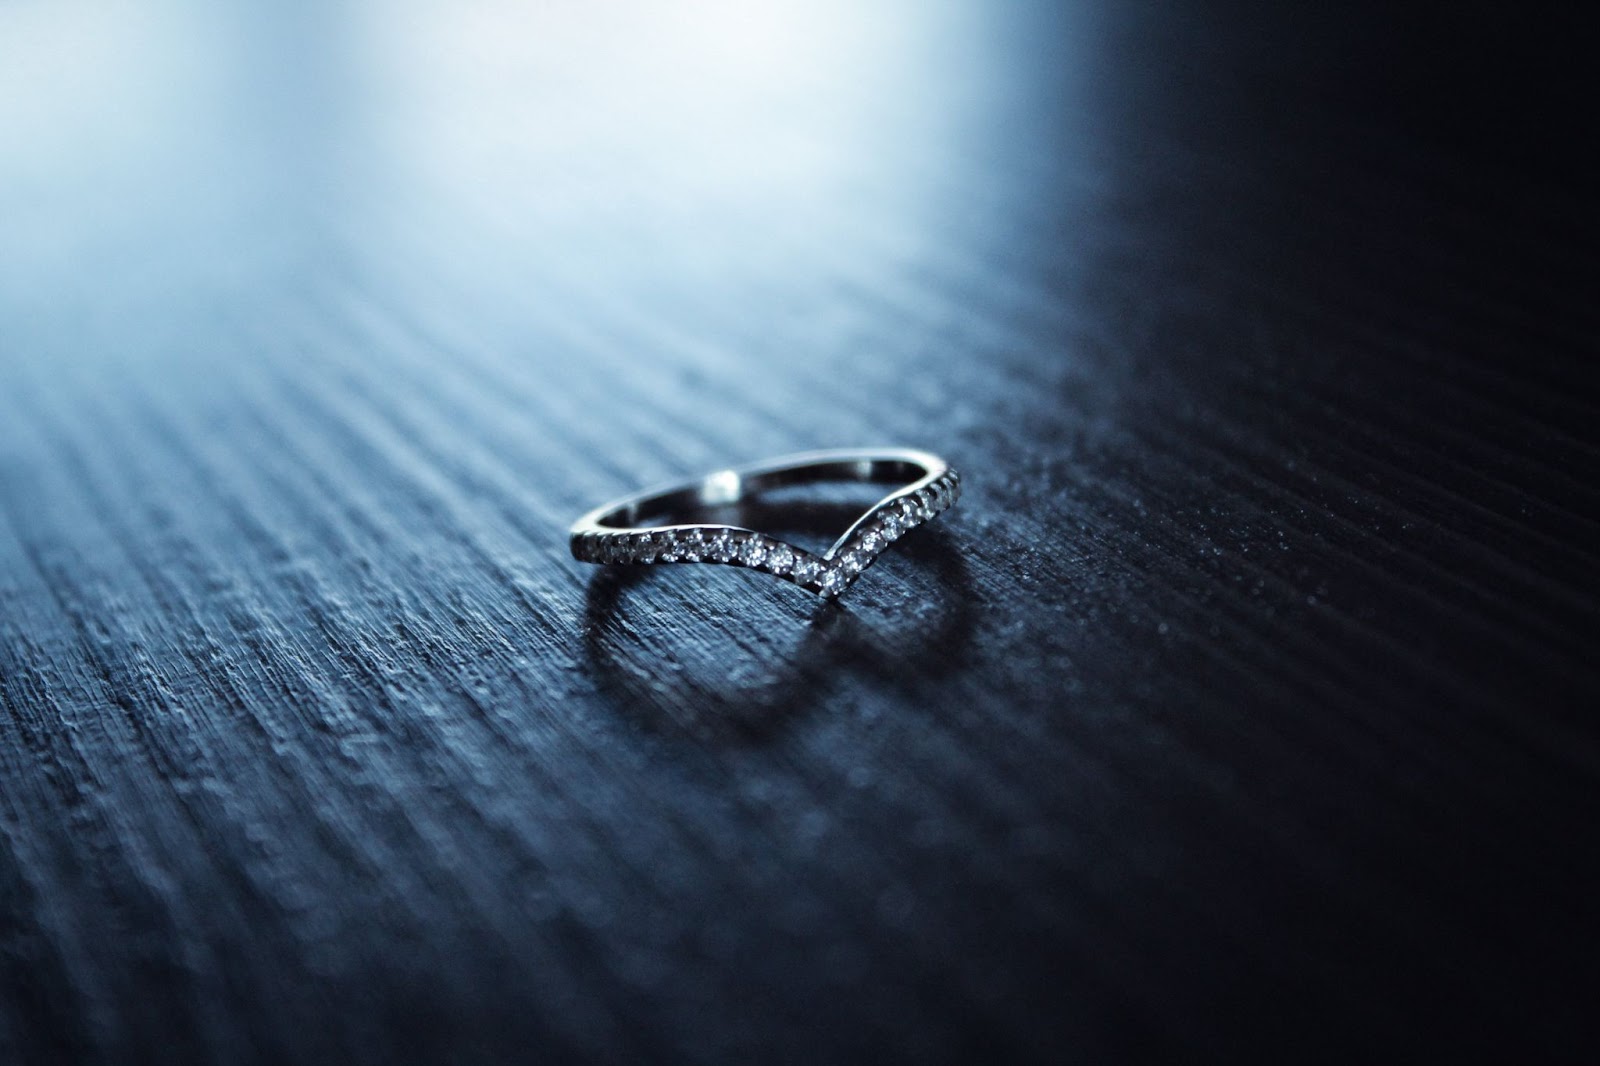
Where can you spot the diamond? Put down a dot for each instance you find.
(753, 552)
(806, 568)
(872, 543)
(833, 581)
(780, 559)
(720, 550)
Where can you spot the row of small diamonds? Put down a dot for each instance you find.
(702, 545)
(828, 576)
(889, 522)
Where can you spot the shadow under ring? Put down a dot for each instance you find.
(646, 664)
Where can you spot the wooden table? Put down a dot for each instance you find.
(1245, 703)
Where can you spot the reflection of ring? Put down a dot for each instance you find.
(638, 529)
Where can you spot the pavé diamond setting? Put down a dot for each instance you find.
(622, 532)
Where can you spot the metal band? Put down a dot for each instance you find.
(620, 531)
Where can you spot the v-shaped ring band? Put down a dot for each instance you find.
(631, 530)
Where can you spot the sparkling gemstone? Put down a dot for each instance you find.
(806, 569)
(872, 542)
(780, 559)
(753, 552)
(910, 511)
(890, 525)
(721, 547)
(834, 581)
(855, 561)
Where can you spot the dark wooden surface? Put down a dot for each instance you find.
(1246, 702)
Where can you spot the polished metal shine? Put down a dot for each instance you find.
(622, 531)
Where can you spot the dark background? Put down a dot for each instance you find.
(1244, 704)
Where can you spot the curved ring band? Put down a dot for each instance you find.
(622, 531)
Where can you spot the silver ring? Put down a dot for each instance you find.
(638, 528)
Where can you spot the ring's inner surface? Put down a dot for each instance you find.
(728, 488)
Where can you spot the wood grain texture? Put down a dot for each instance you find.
(1245, 702)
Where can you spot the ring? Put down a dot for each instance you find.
(640, 528)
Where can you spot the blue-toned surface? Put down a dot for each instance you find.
(1244, 703)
